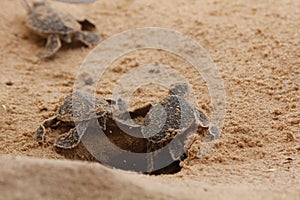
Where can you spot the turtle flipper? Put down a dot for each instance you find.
(41, 130)
(66, 38)
(52, 46)
(86, 25)
(88, 38)
(40, 134)
(68, 140)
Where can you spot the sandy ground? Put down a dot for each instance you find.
(256, 46)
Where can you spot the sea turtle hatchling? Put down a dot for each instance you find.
(172, 118)
(57, 26)
(82, 111)
(80, 108)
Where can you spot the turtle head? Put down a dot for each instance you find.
(179, 89)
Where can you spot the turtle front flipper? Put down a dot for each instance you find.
(52, 46)
(88, 38)
(72, 138)
(41, 130)
(68, 140)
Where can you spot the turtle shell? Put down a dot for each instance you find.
(167, 118)
(80, 106)
(45, 20)
(170, 116)
(168, 126)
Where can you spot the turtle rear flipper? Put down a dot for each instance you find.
(66, 38)
(87, 25)
(52, 46)
(88, 38)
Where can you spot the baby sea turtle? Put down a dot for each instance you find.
(77, 107)
(172, 119)
(57, 26)
(86, 111)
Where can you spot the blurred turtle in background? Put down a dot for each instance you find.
(57, 26)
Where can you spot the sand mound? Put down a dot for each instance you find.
(27, 178)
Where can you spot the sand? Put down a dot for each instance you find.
(256, 46)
